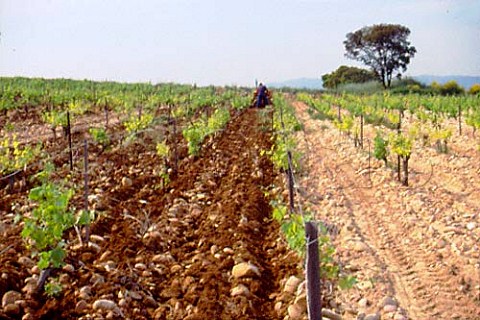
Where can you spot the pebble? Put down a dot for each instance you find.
(245, 269)
(389, 308)
(26, 262)
(399, 316)
(372, 316)
(360, 246)
(363, 303)
(104, 305)
(240, 290)
(389, 301)
(10, 297)
(162, 258)
(140, 266)
(228, 250)
(81, 306)
(175, 268)
(126, 182)
(135, 295)
(441, 244)
(329, 314)
(278, 307)
(471, 225)
(85, 292)
(68, 268)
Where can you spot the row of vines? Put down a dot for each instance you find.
(111, 116)
(430, 120)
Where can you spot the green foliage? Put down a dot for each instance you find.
(380, 150)
(100, 136)
(451, 88)
(383, 47)
(293, 228)
(85, 217)
(15, 157)
(240, 102)
(441, 137)
(196, 133)
(345, 124)
(136, 123)
(50, 218)
(55, 118)
(163, 150)
(346, 74)
(347, 282)
(401, 144)
(53, 288)
(474, 89)
(473, 119)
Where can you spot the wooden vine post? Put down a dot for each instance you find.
(291, 182)
(69, 132)
(85, 196)
(459, 118)
(314, 298)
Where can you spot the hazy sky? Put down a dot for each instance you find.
(225, 41)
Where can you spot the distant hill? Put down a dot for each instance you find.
(301, 83)
(464, 81)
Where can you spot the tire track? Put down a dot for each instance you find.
(421, 281)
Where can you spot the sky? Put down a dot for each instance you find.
(223, 42)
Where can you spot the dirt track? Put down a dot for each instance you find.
(414, 247)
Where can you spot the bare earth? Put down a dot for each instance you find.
(414, 250)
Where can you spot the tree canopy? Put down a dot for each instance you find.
(383, 47)
(346, 74)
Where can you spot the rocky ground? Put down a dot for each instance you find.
(205, 247)
(414, 250)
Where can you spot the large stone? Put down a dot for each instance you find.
(12, 309)
(10, 297)
(292, 284)
(301, 300)
(245, 269)
(296, 311)
(104, 305)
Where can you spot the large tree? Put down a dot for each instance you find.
(383, 47)
(346, 74)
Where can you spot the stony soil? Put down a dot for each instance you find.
(414, 250)
(206, 248)
(203, 248)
